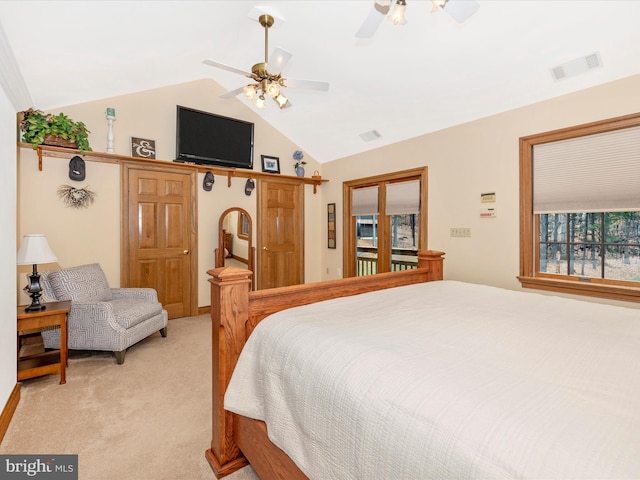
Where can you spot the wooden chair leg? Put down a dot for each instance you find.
(120, 356)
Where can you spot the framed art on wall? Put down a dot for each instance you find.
(270, 164)
(331, 225)
(143, 148)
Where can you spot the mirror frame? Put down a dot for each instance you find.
(219, 253)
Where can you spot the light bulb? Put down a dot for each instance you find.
(250, 91)
(259, 102)
(273, 90)
(397, 14)
(282, 100)
(383, 3)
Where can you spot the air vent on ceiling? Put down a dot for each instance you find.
(576, 67)
(370, 135)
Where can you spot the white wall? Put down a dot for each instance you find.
(8, 248)
(467, 160)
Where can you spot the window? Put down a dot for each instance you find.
(384, 222)
(580, 210)
(602, 245)
(243, 226)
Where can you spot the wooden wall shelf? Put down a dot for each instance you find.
(67, 153)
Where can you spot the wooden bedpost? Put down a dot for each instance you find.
(433, 260)
(229, 313)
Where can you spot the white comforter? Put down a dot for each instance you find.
(448, 380)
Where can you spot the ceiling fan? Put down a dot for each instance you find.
(268, 83)
(460, 10)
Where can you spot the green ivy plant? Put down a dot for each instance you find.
(37, 124)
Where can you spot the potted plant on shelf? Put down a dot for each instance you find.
(46, 128)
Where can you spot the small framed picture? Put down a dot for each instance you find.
(270, 164)
(143, 148)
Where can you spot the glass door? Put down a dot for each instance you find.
(366, 245)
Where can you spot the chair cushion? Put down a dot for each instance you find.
(129, 312)
(85, 283)
(48, 295)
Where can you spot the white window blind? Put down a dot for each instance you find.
(403, 198)
(364, 201)
(594, 173)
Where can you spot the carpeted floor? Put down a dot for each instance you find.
(149, 418)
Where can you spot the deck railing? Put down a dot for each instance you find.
(367, 260)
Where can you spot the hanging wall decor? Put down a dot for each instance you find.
(331, 225)
(143, 148)
(76, 197)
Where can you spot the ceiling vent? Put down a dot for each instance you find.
(370, 135)
(576, 67)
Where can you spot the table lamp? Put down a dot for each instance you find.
(34, 250)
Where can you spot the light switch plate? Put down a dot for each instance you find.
(460, 232)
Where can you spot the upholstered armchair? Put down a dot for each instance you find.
(101, 318)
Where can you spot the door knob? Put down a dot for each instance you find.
(186, 252)
(265, 248)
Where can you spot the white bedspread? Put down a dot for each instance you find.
(448, 380)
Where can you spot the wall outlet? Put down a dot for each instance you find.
(460, 232)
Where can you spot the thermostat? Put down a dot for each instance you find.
(488, 197)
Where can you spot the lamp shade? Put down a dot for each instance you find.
(35, 249)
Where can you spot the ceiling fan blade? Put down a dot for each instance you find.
(232, 93)
(279, 59)
(308, 84)
(373, 21)
(461, 10)
(224, 66)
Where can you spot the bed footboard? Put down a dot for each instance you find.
(236, 310)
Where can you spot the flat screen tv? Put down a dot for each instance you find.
(207, 139)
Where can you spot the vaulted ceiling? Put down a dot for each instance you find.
(404, 81)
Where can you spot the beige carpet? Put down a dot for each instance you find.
(149, 418)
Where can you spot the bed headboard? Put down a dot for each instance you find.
(236, 310)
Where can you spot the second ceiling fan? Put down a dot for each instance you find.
(267, 83)
(459, 10)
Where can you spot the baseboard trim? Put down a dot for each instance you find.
(203, 310)
(8, 410)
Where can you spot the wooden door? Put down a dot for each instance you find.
(281, 233)
(159, 244)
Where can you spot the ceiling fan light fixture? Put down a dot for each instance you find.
(259, 102)
(397, 14)
(384, 3)
(281, 100)
(250, 91)
(273, 90)
(438, 4)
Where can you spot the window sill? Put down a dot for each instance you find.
(614, 292)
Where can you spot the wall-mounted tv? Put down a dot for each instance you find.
(207, 139)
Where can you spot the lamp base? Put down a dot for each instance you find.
(35, 307)
(35, 292)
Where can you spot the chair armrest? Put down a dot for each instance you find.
(146, 293)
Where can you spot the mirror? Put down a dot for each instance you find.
(235, 247)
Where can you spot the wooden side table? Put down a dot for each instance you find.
(53, 361)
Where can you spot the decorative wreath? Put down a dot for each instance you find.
(76, 197)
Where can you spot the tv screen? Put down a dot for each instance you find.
(208, 139)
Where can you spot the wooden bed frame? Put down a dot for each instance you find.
(235, 312)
